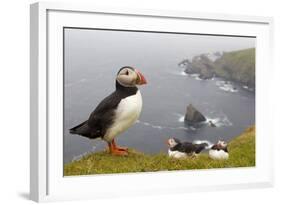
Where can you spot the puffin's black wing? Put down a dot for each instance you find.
(200, 147)
(189, 147)
(103, 116)
(100, 119)
(81, 129)
(186, 147)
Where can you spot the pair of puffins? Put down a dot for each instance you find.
(179, 150)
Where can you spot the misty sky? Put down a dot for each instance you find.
(133, 48)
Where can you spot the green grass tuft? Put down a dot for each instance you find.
(241, 154)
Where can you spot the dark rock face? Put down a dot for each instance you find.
(193, 116)
(201, 65)
(206, 74)
(189, 69)
(184, 63)
(212, 124)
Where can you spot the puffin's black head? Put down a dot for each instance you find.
(172, 142)
(130, 77)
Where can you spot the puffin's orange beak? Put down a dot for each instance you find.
(141, 78)
(167, 142)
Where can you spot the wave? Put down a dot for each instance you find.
(248, 88)
(80, 156)
(183, 73)
(181, 119)
(226, 86)
(195, 76)
(220, 121)
(229, 89)
(159, 127)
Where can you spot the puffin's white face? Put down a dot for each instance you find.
(172, 142)
(130, 77)
(222, 143)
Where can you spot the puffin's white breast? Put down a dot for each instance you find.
(176, 154)
(218, 154)
(127, 113)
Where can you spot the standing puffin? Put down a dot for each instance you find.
(219, 151)
(178, 149)
(117, 112)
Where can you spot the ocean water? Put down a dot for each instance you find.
(92, 59)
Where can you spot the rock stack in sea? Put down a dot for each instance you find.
(193, 116)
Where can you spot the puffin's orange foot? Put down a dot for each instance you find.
(118, 152)
(119, 148)
(122, 149)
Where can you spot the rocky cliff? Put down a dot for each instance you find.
(238, 66)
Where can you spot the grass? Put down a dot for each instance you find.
(241, 154)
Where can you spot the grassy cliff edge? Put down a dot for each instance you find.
(241, 154)
(237, 66)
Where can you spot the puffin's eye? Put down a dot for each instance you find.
(127, 72)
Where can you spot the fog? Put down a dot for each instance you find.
(136, 48)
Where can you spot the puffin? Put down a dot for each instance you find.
(115, 113)
(219, 151)
(178, 149)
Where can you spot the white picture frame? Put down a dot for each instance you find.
(46, 177)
